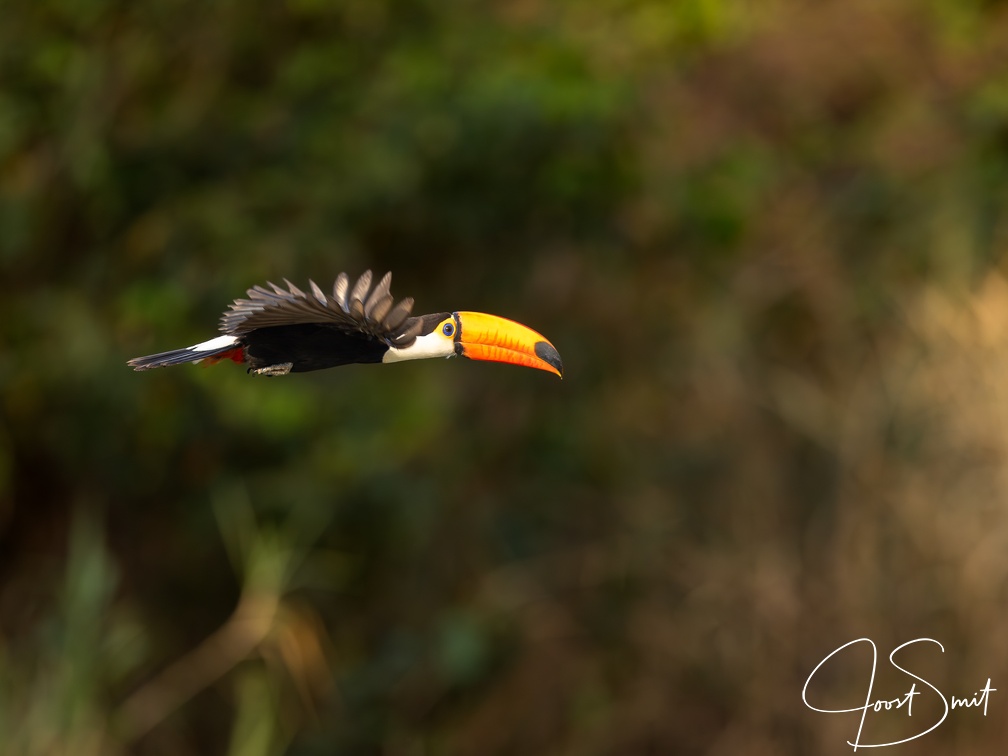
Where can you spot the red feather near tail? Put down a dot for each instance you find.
(235, 355)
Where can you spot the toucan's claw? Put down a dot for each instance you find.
(282, 369)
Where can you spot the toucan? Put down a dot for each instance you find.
(277, 331)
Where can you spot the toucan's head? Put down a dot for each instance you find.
(479, 337)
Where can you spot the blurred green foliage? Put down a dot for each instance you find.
(766, 239)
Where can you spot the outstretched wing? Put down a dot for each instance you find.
(364, 309)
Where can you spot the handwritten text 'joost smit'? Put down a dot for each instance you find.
(901, 703)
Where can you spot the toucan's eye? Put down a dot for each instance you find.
(448, 329)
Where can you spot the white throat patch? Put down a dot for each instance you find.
(434, 344)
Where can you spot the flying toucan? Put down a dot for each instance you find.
(278, 331)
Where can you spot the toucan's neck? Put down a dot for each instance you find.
(431, 342)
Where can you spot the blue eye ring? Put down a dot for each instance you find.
(448, 329)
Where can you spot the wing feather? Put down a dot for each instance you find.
(340, 289)
(294, 289)
(360, 290)
(377, 311)
(395, 319)
(364, 309)
(318, 293)
(378, 293)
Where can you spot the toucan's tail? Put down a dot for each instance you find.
(214, 350)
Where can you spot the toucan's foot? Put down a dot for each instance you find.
(282, 369)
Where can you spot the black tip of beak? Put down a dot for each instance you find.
(547, 353)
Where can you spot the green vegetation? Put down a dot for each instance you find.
(766, 239)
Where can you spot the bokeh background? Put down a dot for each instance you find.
(767, 239)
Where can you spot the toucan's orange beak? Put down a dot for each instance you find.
(488, 337)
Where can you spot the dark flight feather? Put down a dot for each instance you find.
(366, 310)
